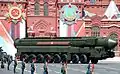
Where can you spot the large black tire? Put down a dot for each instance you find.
(112, 54)
(64, 58)
(47, 58)
(40, 58)
(84, 59)
(31, 57)
(75, 58)
(56, 58)
(26, 57)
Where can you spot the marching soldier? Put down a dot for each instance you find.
(15, 65)
(64, 68)
(23, 66)
(2, 63)
(92, 69)
(88, 69)
(32, 67)
(9, 62)
(45, 68)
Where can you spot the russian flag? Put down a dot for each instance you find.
(81, 31)
(77, 29)
(7, 43)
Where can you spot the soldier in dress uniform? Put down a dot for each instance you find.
(64, 69)
(15, 65)
(89, 69)
(45, 67)
(9, 62)
(32, 67)
(2, 62)
(92, 68)
(23, 66)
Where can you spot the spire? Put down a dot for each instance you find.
(112, 10)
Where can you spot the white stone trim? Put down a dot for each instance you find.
(107, 26)
(88, 26)
(61, 0)
(117, 51)
(79, 0)
(111, 25)
(110, 19)
(102, 19)
(2, 18)
(22, 29)
(73, 0)
(85, 19)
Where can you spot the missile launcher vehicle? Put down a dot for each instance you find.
(61, 49)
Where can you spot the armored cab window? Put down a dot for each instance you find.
(45, 8)
(95, 31)
(37, 8)
(114, 37)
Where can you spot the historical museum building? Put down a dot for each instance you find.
(41, 18)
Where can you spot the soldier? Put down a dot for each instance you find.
(23, 66)
(92, 69)
(63, 69)
(9, 62)
(32, 67)
(15, 65)
(45, 68)
(89, 69)
(2, 63)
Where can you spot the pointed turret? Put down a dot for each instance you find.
(112, 10)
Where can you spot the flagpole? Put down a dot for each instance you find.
(56, 25)
(26, 35)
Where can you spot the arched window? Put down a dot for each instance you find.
(95, 31)
(114, 36)
(45, 8)
(37, 8)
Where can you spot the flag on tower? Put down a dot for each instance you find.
(81, 31)
(6, 41)
(4, 33)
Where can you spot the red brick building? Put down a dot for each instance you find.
(43, 17)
